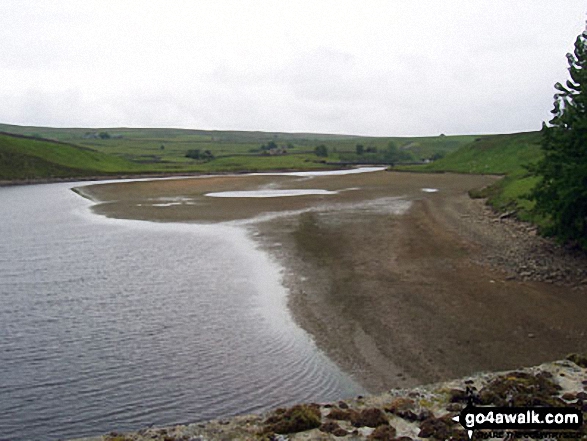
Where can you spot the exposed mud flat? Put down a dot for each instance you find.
(433, 292)
(191, 203)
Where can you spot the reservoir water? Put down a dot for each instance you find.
(113, 325)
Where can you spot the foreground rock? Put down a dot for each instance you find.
(404, 414)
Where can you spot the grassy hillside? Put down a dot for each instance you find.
(165, 149)
(498, 154)
(26, 158)
(501, 154)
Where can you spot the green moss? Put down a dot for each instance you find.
(334, 428)
(578, 359)
(298, 418)
(425, 402)
(339, 414)
(117, 437)
(372, 417)
(521, 389)
(442, 429)
(383, 433)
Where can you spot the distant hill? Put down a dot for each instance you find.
(168, 150)
(239, 136)
(24, 158)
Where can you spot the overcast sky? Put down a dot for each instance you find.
(404, 67)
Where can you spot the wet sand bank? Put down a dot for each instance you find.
(397, 285)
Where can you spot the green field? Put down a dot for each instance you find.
(125, 150)
(165, 149)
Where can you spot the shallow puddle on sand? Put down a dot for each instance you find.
(269, 193)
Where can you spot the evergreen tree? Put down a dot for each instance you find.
(561, 194)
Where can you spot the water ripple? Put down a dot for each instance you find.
(115, 325)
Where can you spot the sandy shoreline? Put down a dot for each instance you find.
(417, 299)
(398, 286)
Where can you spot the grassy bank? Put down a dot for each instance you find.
(497, 154)
(26, 158)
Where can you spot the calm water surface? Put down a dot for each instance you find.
(115, 325)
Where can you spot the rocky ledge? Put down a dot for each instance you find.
(421, 413)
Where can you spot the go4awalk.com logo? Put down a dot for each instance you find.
(548, 419)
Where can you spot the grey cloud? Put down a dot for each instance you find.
(396, 68)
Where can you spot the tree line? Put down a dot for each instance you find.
(561, 193)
